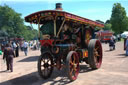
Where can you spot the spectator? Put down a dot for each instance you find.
(9, 55)
(14, 47)
(25, 46)
(38, 45)
(17, 50)
(112, 43)
(0, 50)
(2, 47)
(126, 46)
(22, 47)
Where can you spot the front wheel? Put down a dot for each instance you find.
(72, 65)
(45, 65)
(94, 54)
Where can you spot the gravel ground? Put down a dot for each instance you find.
(114, 70)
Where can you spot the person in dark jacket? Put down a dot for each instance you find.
(17, 50)
(112, 43)
(8, 56)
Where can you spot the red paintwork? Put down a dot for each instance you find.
(104, 35)
(105, 39)
(46, 42)
(68, 16)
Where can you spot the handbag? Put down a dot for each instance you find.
(0, 52)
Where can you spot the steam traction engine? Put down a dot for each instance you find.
(66, 39)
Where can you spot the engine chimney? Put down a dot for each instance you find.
(59, 6)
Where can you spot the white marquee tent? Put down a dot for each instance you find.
(124, 34)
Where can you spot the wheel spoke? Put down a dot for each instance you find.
(75, 69)
(71, 62)
(96, 52)
(72, 65)
(71, 71)
(74, 58)
(46, 67)
(95, 59)
(97, 48)
(48, 60)
(49, 66)
(43, 60)
(42, 65)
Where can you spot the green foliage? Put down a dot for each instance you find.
(118, 18)
(107, 27)
(107, 22)
(12, 23)
(126, 23)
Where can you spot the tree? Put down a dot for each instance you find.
(3, 33)
(107, 27)
(118, 18)
(126, 23)
(100, 21)
(12, 23)
(107, 22)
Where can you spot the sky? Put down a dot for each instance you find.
(91, 9)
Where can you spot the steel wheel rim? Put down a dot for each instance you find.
(98, 54)
(74, 66)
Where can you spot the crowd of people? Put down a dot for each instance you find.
(11, 50)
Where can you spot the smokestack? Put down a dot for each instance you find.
(59, 6)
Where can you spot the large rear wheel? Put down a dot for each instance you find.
(72, 65)
(45, 65)
(94, 54)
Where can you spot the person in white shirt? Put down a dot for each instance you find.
(25, 46)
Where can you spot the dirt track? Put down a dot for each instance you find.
(114, 70)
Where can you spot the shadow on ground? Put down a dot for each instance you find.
(34, 78)
(22, 80)
(4, 71)
(107, 51)
(85, 68)
(29, 59)
(122, 55)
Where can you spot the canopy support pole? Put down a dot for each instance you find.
(55, 26)
(31, 25)
(60, 28)
(39, 29)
